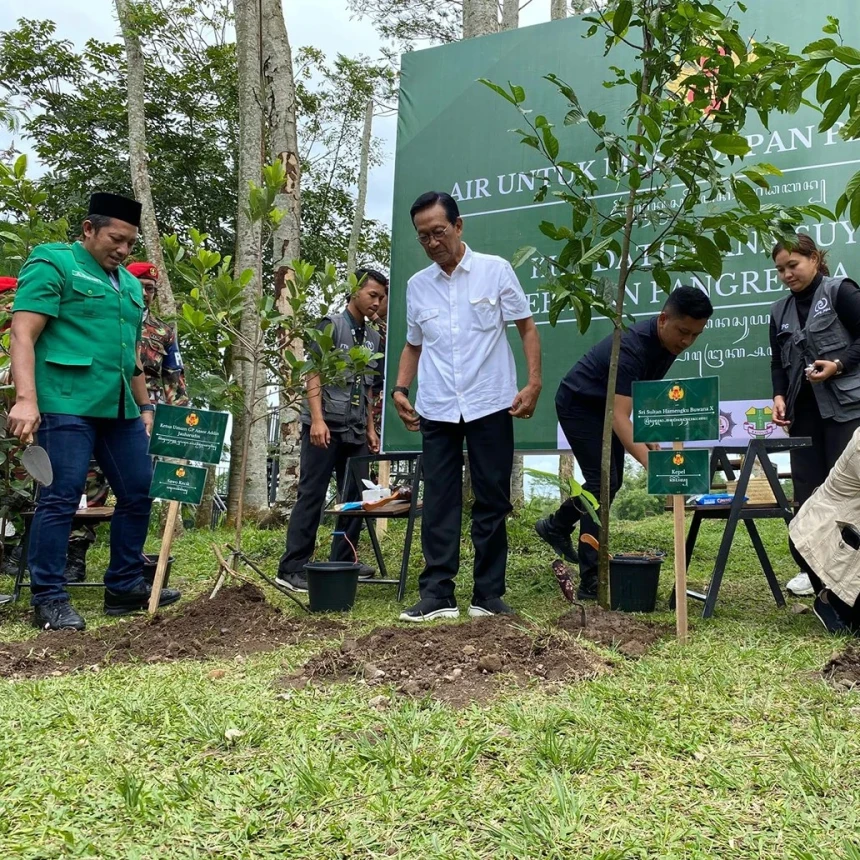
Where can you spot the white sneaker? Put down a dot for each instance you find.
(800, 586)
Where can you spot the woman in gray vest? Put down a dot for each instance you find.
(815, 363)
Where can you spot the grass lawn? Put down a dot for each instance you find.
(730, 747)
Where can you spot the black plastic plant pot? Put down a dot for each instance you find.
(150, 564)
(332, 585)
(633, 580)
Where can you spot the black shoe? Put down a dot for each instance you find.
(11, 561)
(57, 615)
(295, 580)
(125, 602)
(429, 608)
(365, 571)
(828, 616)
(492, 606)
(557, 538)
(587, 589)
(76, 560)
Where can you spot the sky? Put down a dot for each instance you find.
(325, 24)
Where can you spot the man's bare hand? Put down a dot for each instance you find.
(320, 434)
(525, 402)
(407, 414)
(24, 420)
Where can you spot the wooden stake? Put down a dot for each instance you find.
(163, 556)
(680, 563)
(384, 481)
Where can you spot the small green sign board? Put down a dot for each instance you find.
(679, 473)
(188, 434)
(677, 410)
(178, 482)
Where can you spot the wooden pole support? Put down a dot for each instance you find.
(163, 556)
(384, 481)
(680, 563)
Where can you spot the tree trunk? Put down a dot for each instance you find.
(518, 493)
(358, 218)
(203, 514)
(565, 473)
(252, 493)
(557, 9)
(480, 17)
(286, 242)
(138, 157)
(510, 14)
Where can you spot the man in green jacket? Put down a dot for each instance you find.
(79, 386)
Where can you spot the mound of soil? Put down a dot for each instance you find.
(455, 663)
(844, 669)
(237, 622)
(630, 635)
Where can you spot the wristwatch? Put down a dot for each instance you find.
(400, 389)
(839, 367)
(147, 407)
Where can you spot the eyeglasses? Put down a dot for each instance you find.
(438, 235)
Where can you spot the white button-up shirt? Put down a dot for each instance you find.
(466, 368)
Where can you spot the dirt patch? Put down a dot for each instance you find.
(237, 622)
(843, 669)
(455, 663)
(630, 635)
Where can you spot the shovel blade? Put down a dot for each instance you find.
(35, 461)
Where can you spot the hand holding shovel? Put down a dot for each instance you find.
(37, 463)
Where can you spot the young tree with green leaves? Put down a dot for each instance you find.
(674, 153)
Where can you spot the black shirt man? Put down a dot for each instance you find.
(648, 349)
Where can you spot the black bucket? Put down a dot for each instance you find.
(150, 564)
(332, 585)
(633, 581)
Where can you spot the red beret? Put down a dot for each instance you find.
(143, 270)
(7, 284)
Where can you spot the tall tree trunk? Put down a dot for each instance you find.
(364, 162)
(518, 493)
(558, 9)
(510, 14)
(249, 256)
(480, 17)
(203, 514)
(565, 473)
(280, 104)
(138, 157)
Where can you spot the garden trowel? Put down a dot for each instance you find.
(35, 460)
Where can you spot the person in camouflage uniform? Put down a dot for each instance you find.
(18, 497)
(159, 351)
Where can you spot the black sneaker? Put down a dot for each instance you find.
(428, 608)
(57, 615)
(76, 560)
(492, 606)
(295, 580)
(136, 600)
(587, 589)
(557, 538)
(365, 571)
(828, 616)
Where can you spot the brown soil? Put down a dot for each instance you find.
(237, 622)
(456, 663)
(844, 669)
(632, 636)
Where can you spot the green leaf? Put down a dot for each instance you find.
(854, 215)
(651, 127)
(497, 89)
(709, 256)
(593, 254)
(518, 93)
(522, 255)
(731, 144)
(622, 16)
(746, 195)
(849, 56)
(550, 142)
(825, 81)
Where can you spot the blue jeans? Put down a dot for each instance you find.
(121, 448)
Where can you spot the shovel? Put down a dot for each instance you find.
(35, 460)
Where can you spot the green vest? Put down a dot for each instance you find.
(87, 352)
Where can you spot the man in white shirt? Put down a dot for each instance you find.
(457, 310)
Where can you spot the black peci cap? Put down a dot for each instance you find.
(115, 206)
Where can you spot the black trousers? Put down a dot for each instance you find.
(490, 443)
(810, 466)
(583, 429)
(316, 467)
(849, 614)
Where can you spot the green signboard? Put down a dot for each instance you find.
(454, 135)
(677, 410)
(679, 473)
(188, 434)
(178, 482)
